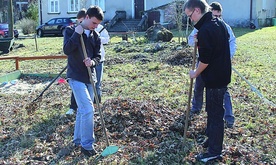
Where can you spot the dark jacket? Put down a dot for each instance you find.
(213, 49)
(76, 68)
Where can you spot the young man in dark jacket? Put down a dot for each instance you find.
(215, 69)
(78, 77)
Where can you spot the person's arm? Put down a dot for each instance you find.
(191, 37)
(71, 40)
(104, 36)
(232, 41)
(201, 67)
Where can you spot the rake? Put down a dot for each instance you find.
(34, 104)
(190, 94)
(109, 149)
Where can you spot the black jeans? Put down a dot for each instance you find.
(73, 104)
(215, 125)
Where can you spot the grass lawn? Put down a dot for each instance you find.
(132, 72)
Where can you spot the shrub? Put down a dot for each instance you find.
(27, 25)
(32, 12)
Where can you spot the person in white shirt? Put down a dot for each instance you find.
(197, 101)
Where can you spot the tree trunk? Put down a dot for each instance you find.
(10, 18)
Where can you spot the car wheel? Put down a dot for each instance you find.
(40, 33)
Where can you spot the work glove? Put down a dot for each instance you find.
(88, 62)
(79, 29)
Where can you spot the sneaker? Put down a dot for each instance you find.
(205, 144)
(88, 153)
(194, 112)
(205, 157)
(229, 125)
(70, 112)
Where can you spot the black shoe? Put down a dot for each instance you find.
(194, 112)
(205, 144)
(88, 152)
(205, 157)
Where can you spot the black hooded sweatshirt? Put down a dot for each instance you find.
(213, 48)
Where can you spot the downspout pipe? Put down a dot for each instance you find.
(251, 6)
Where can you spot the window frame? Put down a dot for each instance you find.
(100, 3)
(77, 7)
(55, 7)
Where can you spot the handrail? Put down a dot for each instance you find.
(17, 59)
(143, 23)
(119, 15)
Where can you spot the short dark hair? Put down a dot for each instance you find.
(216, 6)
(202, 4)
(81, 13)
(95, 11)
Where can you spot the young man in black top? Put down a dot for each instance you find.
(215, 69)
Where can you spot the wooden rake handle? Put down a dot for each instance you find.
(190, 94)
(94, 90)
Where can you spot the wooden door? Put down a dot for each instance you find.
(139, 8)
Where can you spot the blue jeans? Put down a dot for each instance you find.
(98, 86)
(84, 126)
(99, 75)
(197, 101)
(215, 124)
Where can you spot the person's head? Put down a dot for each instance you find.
(94, 16)
(81, 15)
(216, 9)
(195, 9)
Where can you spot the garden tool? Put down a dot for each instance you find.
(254, 89)
(41, 94)
(190, 94)
(109, 149)
(33, 105)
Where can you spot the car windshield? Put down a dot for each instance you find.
(4, 26)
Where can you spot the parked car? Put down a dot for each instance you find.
(55, 26)
(4, 31)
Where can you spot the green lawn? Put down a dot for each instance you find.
(131, 72)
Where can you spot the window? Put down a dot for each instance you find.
(51, 22)
(73, 5)
(59, 21)
(53, 6)
(100, 3)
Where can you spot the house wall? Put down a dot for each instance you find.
(63, 8)
(127, 5)
(264, 12)
(237, 13)
(120, 5)
(149, 4)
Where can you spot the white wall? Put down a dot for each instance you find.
(237, 12)
(63, 11)
(149, 4)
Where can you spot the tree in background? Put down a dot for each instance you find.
(30, 18)
(32, 11)
(175, 15)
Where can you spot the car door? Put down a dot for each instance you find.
(49, 27)
(59, 24)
